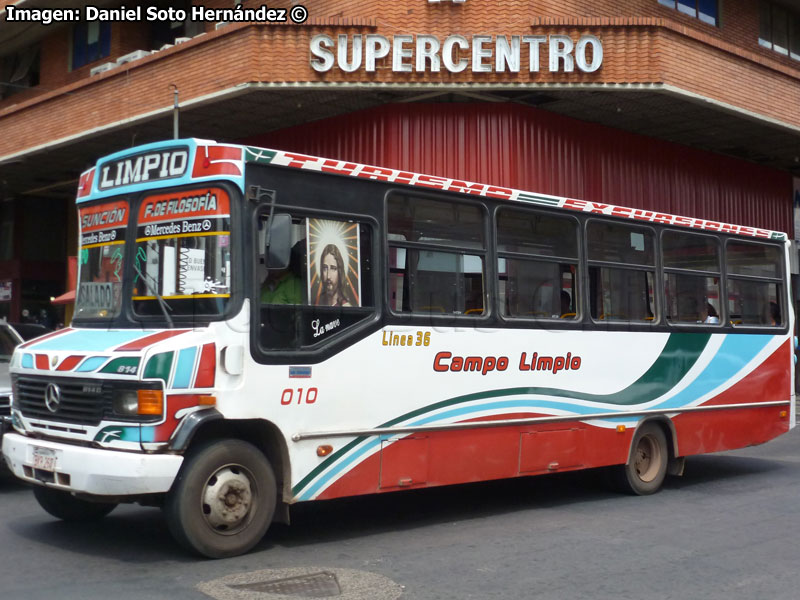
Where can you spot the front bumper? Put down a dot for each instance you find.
(5, 414)
(92, 470)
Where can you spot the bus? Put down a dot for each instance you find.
(255, 328)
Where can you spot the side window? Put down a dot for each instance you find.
(779, 28)
(437, 256)
(705, 10)
(754, 284)
(621, 261)
(325, 289)
(691, 278)
(537, 265)
(21, 70)
(170, 32)
(90, 43)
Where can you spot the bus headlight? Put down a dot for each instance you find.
(126, 402)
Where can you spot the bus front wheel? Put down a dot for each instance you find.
(223, 499)
(645, 471)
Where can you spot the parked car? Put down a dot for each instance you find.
(28, 331)
(11, 335)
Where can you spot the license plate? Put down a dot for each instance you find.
(44, 459)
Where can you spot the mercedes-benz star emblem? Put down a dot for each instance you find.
(52, 397)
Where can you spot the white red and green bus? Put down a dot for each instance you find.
(255, 328)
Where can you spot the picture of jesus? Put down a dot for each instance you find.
(334, 277)
(332, 271)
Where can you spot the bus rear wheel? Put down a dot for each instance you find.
(645, 472)
(223, 499)
(63, 505)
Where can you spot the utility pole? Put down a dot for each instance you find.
(175, 111)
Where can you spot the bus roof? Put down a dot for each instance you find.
(179, 162)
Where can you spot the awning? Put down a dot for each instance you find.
(65, 298)
(72, 279)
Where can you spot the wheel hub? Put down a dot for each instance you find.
(647, 459)
(228, 499)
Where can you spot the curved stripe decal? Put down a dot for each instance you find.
(733, 355)
(679, 355)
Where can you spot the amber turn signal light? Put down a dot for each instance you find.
(324, 450)
(151, 402)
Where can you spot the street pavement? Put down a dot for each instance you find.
(728, 529)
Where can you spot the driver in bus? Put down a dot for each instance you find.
(285, 286)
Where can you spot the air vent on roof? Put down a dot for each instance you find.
(107, 66)
(132, 56)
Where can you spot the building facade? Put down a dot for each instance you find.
(681, 106)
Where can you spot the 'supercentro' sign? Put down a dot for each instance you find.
(481, 53)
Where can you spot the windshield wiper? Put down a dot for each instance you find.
(161, 302)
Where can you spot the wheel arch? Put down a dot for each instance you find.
(263, 434)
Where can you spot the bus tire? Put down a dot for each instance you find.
(645, 471)
(223, 499)
(63, 505)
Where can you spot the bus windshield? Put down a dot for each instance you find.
(182, 259)
(101, 260)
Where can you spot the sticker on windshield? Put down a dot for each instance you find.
(103, 224)
(185, 213)
(98, 296)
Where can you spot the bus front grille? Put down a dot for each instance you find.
(80, 401)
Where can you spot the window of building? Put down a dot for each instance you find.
(6, 230)
(621, 261)
(754, 284)
(705, 10)
(691, 278)
(19, 71)
(91, 41)
(537, 265)
(437, 255)
(779, 29)
(167, 32)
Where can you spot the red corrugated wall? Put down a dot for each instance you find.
(532, 149)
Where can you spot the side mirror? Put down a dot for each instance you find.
(277, 245)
